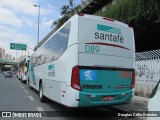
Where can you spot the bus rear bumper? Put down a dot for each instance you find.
(100, 99)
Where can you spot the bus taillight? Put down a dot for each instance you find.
(133, 80)
(109, 19)
(75, 81)
(81, 14)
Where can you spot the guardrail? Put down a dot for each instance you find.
(153, 54)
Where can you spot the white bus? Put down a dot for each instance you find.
(89, 61)
(22, 71)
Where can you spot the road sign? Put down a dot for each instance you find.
(16, 46)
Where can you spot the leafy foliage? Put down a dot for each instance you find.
(129, 11)
(67, 11)
(134, 11)
(64, 10)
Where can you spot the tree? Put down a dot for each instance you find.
(55, 22)
(71, 3)
(134, 11)
(64, 10)
(67, 11)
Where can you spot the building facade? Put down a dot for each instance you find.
(2, 53)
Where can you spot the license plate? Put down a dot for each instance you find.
(108, 98)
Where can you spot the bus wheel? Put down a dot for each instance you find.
(27, 82)
(41, 96)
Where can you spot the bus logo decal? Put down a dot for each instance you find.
(51, 67)
(108, 29)
(111, 34)
(88, 75)
(51, 72)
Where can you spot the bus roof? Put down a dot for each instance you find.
(100, 18)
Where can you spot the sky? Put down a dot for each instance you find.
(19, 22)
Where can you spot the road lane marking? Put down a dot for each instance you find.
(39, 109)
(22, 86)
(31, 98)
(26, 91)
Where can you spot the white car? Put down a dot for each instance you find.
(154, 102)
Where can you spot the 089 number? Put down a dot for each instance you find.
(91, 49)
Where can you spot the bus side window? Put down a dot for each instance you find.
(53, 48)
(34, 61)
(39, 59)
(45, 59)
(59, 42)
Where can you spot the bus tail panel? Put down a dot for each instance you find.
(102, 85)
(105, 86)
(105, 80)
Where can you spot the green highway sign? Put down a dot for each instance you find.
(16, 46)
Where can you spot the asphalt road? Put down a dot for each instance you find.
(17, 96)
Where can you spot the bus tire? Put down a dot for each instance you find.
(27, 82)
(41, 96)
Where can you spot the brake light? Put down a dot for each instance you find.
(109, 19)
(133, 80)
(80, 14)
(75, 81)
